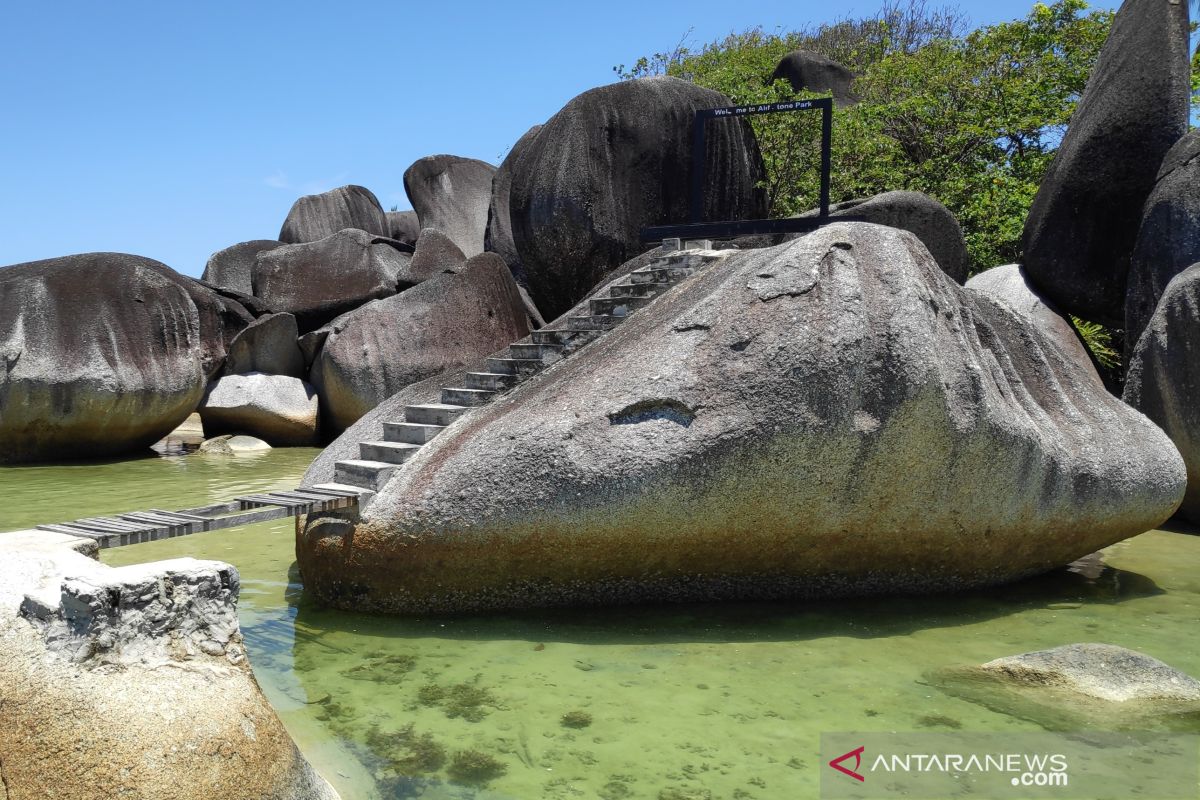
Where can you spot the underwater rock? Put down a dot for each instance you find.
(745, 435)
(229, 445)
(1103, 671)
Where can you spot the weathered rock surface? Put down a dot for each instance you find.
(452, 194)
(230, 445)
(316, 216)
(320, 280)
(741, 437)
(612, 161)
(279, 409)
(1081, 230)
(933, 223)
(100, 353)
(434, 254)
(132, 682)
(269, 344)
(1009, 286)
(375, 351)
(1163, 381)
(1102, 671)
(806, 70)
(403, 226)
(1168, 240)
(499, 238)
(233, 267)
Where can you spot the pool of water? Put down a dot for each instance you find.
(696, 701)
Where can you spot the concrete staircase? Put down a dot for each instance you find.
(401, 440)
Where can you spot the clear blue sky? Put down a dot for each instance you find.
(173, 129)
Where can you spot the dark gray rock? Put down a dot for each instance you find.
(267, 345)
(311, 343)
(253, 305)
(933, 223)
(1101, 671)
(741, 436)
(452, 194)
(813, 72)
(434, 254)
(612, 161)
(377, 350)
(1169, 237)
(100, 353)
(316, 216)
(1081, 230)
(320, 280)
(1163, 381)
(279, 409)
(403, 226)
(499, 238)
(232, 268)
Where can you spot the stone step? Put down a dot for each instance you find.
(568, 340)
(618, 306)
(433, 413)
(660, 274)
(367, 474)
(389, 452)
(595, 322)
(467, 397)
(544, 352)
(410, 432)
(521, 367)
(638, 289)
(492, 381)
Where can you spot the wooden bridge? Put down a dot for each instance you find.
(155, 524)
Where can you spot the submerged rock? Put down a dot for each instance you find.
(1102, 671)
(451, 194)
(742, 436)
(316, 216)
(280, 409)
(229, 445)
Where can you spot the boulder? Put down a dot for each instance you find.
(612, 161)
(316, 216)
(279, 409)
(403, 226)
(1163, 380)
(100, 353)
(434, 254)
(933, 223)
(267, 345)
(318, 281)
(233, 268)
(1009, 286)
(741, 436)
(1100, 671)
(1168, 240)
(132, 682)
(807, 71)
(1084, 220)
(375, 351)
(452, 194)
(499, 238)
(230, 445)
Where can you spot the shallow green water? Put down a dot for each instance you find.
(663, 702)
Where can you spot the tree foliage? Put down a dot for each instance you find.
(971, 118)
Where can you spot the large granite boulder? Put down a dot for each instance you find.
(269, 344)
(452, 194)
(276, 408)
(1083, 223)
(100, 353)
(316, 216)
(933, 223)
(435, 253)
(318, 281)
(1163, 380)
(403, 226)
(1009, 286)
(132, 682)
(612, 161)
(813, 72)
(233, 267)
(1168, 240)
(499, 238)
(833, 416)
(375, 351)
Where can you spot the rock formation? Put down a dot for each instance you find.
(316, 216)
(813, 72)
(269, 344)
(499, 238)
(452, 194)
(1101, 671)
(741, 436)
(612, 161)
(233, 268)
(403, 226)
(276, 408)
(434, 254)
(1081, 230)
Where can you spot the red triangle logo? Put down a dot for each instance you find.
(837, 763)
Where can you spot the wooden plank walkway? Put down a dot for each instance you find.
(155, 524)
